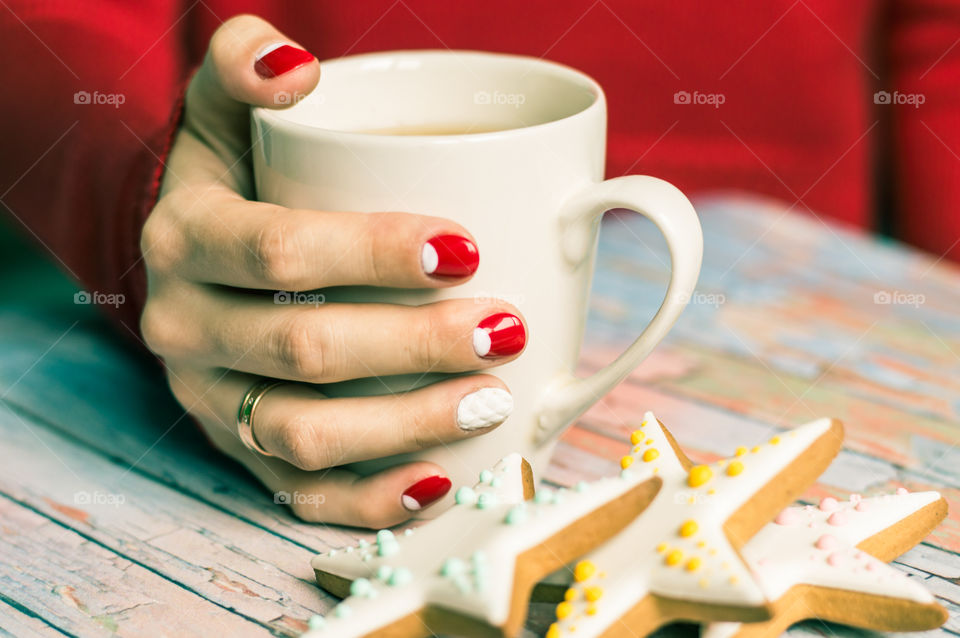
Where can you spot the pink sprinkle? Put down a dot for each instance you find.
(838, 518)
(901, 491)
(834, 559)
(871, 566)
(829, 504)
(855, 498)
(826, 542)
(761, 562)
(787, 517)
(862, 506)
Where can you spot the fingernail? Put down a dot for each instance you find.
(483, 408)
(280, 58)
(449, 256)
(499, 335)
(425, 492)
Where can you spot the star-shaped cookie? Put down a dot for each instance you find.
(678, 560)
(469, 572)
(828, 562)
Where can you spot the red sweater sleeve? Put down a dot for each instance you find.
(925, 63)
(90, 101)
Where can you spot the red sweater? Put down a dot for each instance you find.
(798, 119)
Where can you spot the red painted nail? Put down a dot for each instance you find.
(499, 335)
(449, 256)
(425, 492)
(280, 58)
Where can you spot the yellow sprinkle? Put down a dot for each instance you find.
(734, 580)
(689, 528)
(713, 552)
(741, 451)
(711, 491)
(674, 557)
(650, 455)
(721, 463)
(648, 442)
(602, 575)
(656, 469)
(636, 449)
(699, 474)
(626, 462)
(643, 424)
(774, 440)
(693, 564)
(636, 437)
(756, 448)
(553, 632)
(570, 594)
(702, 544)
(593, 594)
(564, 609)
(704, 583)
(591, 610)
(583, 570)
(662, 547)
(725, 565)
(734, 468)
(691, 500)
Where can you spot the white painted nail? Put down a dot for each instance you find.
(483, 408)
(481, 342)
(429, 258)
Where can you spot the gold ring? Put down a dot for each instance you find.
(245, 415)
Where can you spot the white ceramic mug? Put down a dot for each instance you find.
(530, 189)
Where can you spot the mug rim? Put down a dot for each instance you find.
(277, 120)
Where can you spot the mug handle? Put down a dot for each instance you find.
(668, 208)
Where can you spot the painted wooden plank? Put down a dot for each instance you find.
(87, 590)
(16, 622)
(225, 560)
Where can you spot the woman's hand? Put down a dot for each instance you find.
(214, 260)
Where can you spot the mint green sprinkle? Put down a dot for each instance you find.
(452, 567)
(516, 515)
(626, 474)
(383, 572)
(543, 496)
(581, 486)
(465, 496)
(486, 476)
(400, 576)
(360, 587)
(342, 611)
(496, 482)
(316, 622)
(487, 500)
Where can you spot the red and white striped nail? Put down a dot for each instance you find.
(499, 335)
(425, 492)
(449, 256)
(280, 58)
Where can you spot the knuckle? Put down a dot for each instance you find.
(433, 337)
(158, 331)
(277, 259)
(293, 438)
(301, 350)
(161, 240)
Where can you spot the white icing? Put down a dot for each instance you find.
(476, 544)
(629, 566)
(481, 342)
(429, 260)
(786, 555)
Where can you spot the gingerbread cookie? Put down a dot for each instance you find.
(678, 560)
(469, 572)
(822, 562)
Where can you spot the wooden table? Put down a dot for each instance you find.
(142, 530)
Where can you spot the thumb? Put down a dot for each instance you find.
(248, 62)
